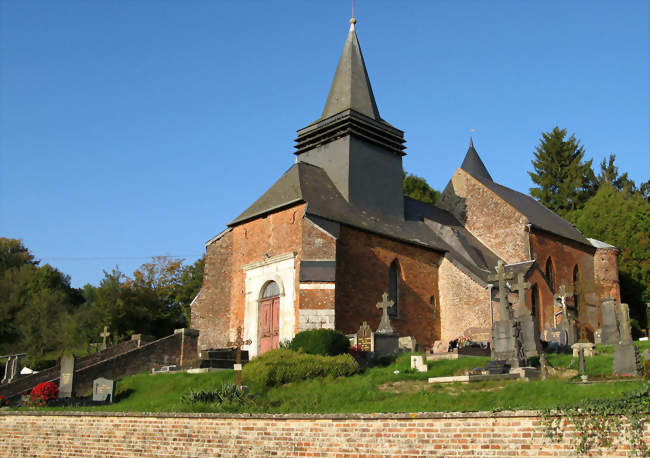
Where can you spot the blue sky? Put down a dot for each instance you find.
(130, 129)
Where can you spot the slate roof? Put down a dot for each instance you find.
(537, 214)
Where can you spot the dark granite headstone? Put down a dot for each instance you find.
(609, 334)
(103, 390)
(66, 378)
(497, 366)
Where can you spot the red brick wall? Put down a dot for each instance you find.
(566, 254)
(407, 435)
(362, 265)
(213, 304)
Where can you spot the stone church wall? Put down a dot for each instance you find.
(464, 303)
(606, 273)
(362, 272)
(342, 435)
(488, 217)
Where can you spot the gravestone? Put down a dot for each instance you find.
(598, 336)
(237, 344)
(568, 324)
(581, 360)
(555, 337)
(103, 390)
(527, 322)
(506, 337)
(365, 338)
(497, 366)
(408, 343)
(440, 347)
(417, 363)
(587, 348)
(386, 338)
(627, 360)
(66, 378)
(609, 334)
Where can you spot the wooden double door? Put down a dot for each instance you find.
(269, 324)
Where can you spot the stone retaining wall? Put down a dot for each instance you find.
(412, 435)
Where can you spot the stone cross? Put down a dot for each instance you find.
(626, 331)
(104, 335)
(563, 293)
(384, 325)
(502, 277)
(237, 344)
(521, 286)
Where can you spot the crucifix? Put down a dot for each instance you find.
(237, 344)
(104, 335)
(521, 286)
(563, 293)
(384, 324)
(501, 277)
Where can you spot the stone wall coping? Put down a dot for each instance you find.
(290, 416)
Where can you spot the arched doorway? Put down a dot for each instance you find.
(269, 317)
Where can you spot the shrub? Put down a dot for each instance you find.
(44, 392)
(3, 401)
(227, 393)
(281, 366)
(320, 342)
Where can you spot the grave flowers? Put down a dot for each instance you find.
(3, 401)
(44, 392)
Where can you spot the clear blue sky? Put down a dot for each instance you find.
(137, 128)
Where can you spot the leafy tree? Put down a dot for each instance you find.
(564, 181)
(189, 286)
(417, 188)
(13, 254)
(622, 219)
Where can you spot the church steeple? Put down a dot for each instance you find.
(360, 152)
(473, 164)
(351, 89)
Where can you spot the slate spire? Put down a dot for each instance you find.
(351, 89)
(473, 164)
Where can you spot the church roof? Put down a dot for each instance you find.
(351, 89)
(307, 183)
(537, 214)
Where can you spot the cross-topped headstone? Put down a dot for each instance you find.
(502, 277)
(104, 335)
(237, 344)
(384, 325)
(521, 286)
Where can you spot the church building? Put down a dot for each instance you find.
(334, 232)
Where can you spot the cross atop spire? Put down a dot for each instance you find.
(351, 89)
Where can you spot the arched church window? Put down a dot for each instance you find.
(576, 286)
(534, 300)
(393, 287)
(549, 273)
(271, 289)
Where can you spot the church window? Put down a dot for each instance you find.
(576, 286)
(549, 273)
(534, 300)
(393, 288)
(271, 290)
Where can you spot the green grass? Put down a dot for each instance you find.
(377, 389)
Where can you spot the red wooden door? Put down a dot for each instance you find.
(269, 324)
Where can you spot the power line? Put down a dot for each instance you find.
(108, 258)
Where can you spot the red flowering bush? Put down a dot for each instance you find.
(3, 401)
(44, 392)
(356, 351)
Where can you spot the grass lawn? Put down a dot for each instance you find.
(377, 389)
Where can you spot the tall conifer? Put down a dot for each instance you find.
(564, 181)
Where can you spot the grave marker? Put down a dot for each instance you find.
(527, 323)
(237, 344)
(66, 378)
(104, 335)
(627, 360)
(365, 337)
(384, 325)
(103, 390)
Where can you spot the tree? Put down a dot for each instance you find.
(623, 220)
(609, 174)
(13, 254)
(417, 188)
(564, 182)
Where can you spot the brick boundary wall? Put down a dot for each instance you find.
(197, 435)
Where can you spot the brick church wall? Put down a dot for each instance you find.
(362, 272)
(464, 303)
(488, 217)
(343, 435)
(565, 255)
(606, 273)
(210, 310)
